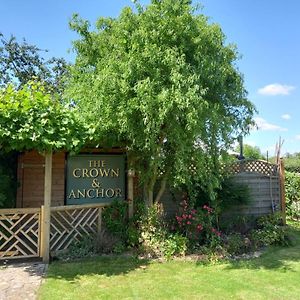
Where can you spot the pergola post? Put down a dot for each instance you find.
(282, 189)
(130, 188)
(45, 232)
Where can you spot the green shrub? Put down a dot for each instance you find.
(233, 223)
(270, 231)
(155, 238)
(115, 218)
(8, 179)
(237, 243)
(83, 247)
(232, 194)
(174, 244)
(292, 194)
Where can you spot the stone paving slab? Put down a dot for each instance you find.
(21, 280)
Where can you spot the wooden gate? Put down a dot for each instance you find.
(20, 232)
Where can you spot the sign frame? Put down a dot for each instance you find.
(99, 157)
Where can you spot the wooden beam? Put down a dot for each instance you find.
(45, 233)
(130, 190)
(282, 190)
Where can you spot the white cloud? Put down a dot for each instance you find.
(275, 89)
(297, 137)
(286, 117)
(263, 125)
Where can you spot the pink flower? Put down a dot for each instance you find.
(188, 222)
(199, 227)
(215, 231)
(209, 209)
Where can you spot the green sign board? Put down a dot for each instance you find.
(95, 178)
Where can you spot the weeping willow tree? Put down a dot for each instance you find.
(161, 81)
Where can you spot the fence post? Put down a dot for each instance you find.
(41, 233)
(45, 236)
(130, 178)
(282, 189)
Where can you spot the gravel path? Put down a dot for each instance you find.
(20, 281)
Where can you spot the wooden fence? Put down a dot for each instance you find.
(21, 230)
(264, 181)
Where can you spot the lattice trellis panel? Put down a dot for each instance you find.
(254, 166)
(19, 233)
(68, 224)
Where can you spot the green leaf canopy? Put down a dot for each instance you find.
(161, 81)
(31, 118)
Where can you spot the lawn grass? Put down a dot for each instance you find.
(274, 275)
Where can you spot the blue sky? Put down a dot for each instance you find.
(267, 34)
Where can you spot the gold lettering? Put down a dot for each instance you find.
(75, 173)
(115, 172)
(104, 172)
(88, 193)
(94, 172)
(118, 192)
(85, 173)
(97, 163)
(109, 193)
(72, 195)
(81, 193)
(100, 193)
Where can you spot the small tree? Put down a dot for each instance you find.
(22, 62)
(161, 82)
(251, 152)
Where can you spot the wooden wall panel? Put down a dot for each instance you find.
(31, 171)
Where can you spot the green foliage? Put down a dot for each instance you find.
(155, 237)
(232, 194)
(198, 225)
(270, 231)
(166, 86)
(252, 152)
(174, 245)
(227, 195)
(22, 62)
(8, 180)
(83, 247)
(31, 118)
(292, 194)
(115, 218)
(292, 162)
(237, 244)
(235, 223)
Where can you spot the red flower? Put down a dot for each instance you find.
(199, 227)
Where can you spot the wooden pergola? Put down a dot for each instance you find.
(46, 208)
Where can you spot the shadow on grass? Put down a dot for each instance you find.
(275, 257)
(100, 265)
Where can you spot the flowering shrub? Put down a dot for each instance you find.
(155, 237)
(197, 224)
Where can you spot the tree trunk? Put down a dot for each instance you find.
(148, 195)
(161, 189)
